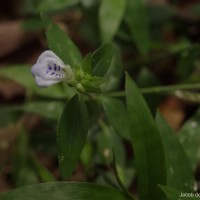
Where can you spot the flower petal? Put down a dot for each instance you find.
(50, 69)
(47, 68)
(45, 83)
(49, 54)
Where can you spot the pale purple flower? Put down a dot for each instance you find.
(50, 70)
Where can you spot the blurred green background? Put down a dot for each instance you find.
(156, 41)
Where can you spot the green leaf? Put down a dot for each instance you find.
(50, 110)
(117, 117)
(30, 6)
(137, 21)
(22, 75)
(87, 63)
(108, 142)
(189, 138)
(55, 5)
(115, 72)
(110, 16)
(174, 194)
(44, 174)
(147, 144)
(92, 83)
(23, 173)
(61, 44)
(146, 78)
(186, 63)
(57, 91)
(33, 24)
(63, 191)
(179, 171)
(127, 175)
(19, 73)
(9, 115)
(49, 6)
(72, 134)
(101, 60)
(87, 156)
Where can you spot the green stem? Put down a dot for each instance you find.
(163, 55)
(170, 88)
(130, 195)
(158, 89)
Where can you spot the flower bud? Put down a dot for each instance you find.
(80, 88)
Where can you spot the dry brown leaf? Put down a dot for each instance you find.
(8, 136)
(12, 36)
(173, 111)
(10, 89)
